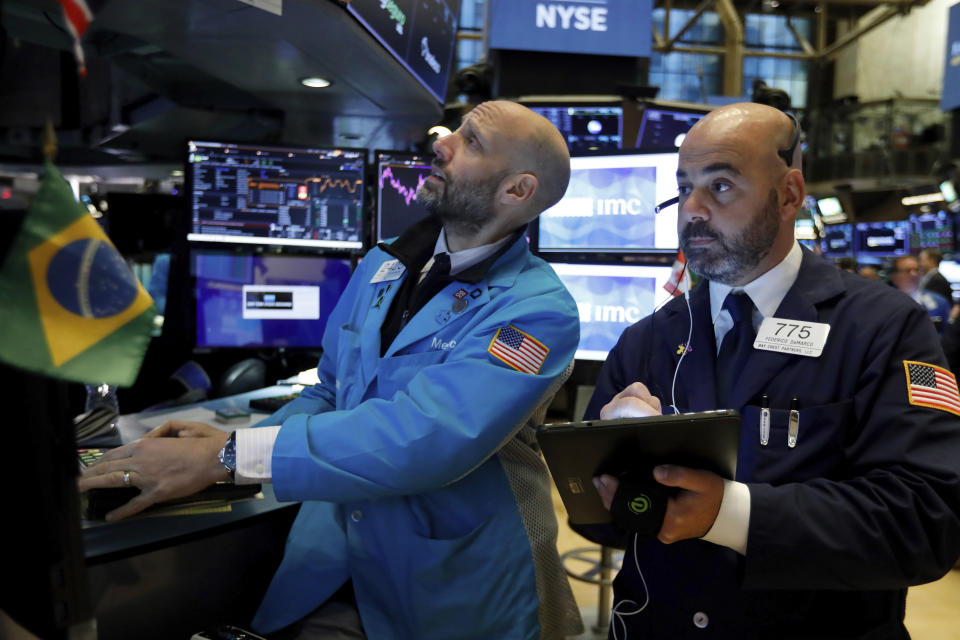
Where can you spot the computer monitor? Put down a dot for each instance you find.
(275, 195)
(586, 126)
(931, 231)
(805, 229)
(420, 35)
(950, 270)
(608, 209)
(264, 301)
(838, 240)
(665, 127)
(949, 191)
(610, 298)
(890, 238)
(831, 210)
(399, 175)
(145, 223)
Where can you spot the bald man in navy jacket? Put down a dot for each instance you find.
(824, 528)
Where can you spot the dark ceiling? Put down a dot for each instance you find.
(162, 71)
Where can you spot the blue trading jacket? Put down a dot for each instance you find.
(394, 458)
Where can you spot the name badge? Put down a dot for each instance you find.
(792, 336)
(388, 272)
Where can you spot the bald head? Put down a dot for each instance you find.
(531, 145)
(756, 129)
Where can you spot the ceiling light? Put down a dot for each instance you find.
(315, 82)
(923, 198)
(440, 131)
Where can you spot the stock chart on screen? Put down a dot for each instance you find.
(257, 194)
(399, 175)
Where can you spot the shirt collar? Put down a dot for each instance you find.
(412, 248)
(463, 260)
(767, 291)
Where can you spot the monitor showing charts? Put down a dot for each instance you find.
(610, 298)
(586, 127)
(276, 195)
(264, 301)
(932, 230)
(608, 208)
(838, 240)
(399, 175)
(890, 238)
(665, 128)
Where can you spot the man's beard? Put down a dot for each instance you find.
(464, 206)
(728, 260)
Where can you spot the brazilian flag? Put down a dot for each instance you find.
(70, 307)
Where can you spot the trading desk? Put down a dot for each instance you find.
(171, 576)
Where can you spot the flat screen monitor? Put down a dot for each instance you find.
(586, 127)
(264, 301)
(931, 231)
(838, 240)
(830, 206)
(665, 128)
(399, 175)
(610, 298)
(949, 191)
(145, 223)
(609, 208)
(890, 238)
(420, 34)
(805, 229)
(950, 270)
(274, 195)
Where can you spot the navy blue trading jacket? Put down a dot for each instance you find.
(865, 505)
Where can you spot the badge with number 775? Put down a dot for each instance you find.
(792, 336)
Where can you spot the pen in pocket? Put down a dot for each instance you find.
(765, 420)
(794, 424)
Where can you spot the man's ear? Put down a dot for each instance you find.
(793, 190)
(518, 189)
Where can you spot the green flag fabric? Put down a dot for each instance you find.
(70, 307)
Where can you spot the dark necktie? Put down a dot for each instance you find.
(736, 345)
(437, 277)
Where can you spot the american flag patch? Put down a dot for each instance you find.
(520, 350)
(932, 386)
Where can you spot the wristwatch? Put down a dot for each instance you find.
(228, 455)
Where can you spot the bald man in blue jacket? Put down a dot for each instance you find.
(426, 510)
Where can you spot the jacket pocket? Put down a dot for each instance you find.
(818, 452)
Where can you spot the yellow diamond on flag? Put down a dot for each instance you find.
(78, 305)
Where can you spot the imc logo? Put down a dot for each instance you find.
(565, 16)
(639, 505)
(620, 314)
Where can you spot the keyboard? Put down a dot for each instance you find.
(272, 403)
(97, 502)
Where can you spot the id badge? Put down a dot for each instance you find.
(792, 336)
(388, 272)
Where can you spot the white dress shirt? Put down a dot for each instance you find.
(731, 527)
(255, 446)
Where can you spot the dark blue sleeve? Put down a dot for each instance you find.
(622, 368)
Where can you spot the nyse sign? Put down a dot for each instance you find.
(566, 16)
(605, 27)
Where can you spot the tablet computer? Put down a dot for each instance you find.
(577, 451)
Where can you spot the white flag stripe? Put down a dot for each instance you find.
(935, 397)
